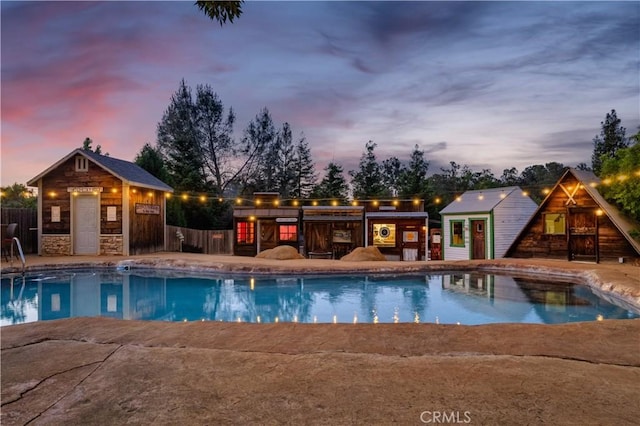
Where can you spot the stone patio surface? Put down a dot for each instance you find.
(105, 371)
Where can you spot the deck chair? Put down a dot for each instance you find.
(7, 240)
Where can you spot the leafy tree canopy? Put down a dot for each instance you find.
(621, 183)
(18, 196)
(221, 11)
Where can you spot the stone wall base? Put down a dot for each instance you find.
(111, 244)
(56, 245)
(60, 245)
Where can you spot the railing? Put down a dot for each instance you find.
(17, 244)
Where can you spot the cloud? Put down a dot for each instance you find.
(503, 83)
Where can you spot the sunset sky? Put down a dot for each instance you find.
(487, 84)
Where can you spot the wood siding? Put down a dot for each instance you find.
(55, 193)
(401, 225)
(318, 237)
(605, 237)
(146, 231)
(450, 252)
(510, 216)
(27, 220)
(204, 241)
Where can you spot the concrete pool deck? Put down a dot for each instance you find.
(105, 371)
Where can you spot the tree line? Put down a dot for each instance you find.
(196, 153)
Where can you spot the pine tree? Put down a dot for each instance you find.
(609, 142)
(333, 186)
(177, 139)
(367, 182)
(285, 173)
(150, 159)
(413, 180)
(392, 170)
(305, 174)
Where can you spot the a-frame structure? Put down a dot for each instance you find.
(574, 222)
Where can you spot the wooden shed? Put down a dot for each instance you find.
(332, 231)
(398, 228)
(264, 223)
(482, 224)
(91, 204)
(574, 222)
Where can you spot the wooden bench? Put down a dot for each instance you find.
(320, 255)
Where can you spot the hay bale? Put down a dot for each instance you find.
(280, 253)
(361, 254)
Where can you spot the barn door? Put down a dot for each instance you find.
(317, 237)
(478, 246)
(85, 224)
(583, 242)
(268, 235)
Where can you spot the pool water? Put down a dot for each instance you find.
(445, 298)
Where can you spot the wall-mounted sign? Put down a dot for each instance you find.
(388, 208)
(84, 189)
(286, 219)
(342, 236)
(384, 235)
(410, 236)
(111, 213)
(55, 213)
(147, 208)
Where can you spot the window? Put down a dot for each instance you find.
(288, 232)
(245, 232)
(457, 233)
(384, 235)
(82, 164)
(554, 223)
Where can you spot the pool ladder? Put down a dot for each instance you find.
(19, 246)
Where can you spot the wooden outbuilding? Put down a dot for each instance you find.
(574, 222)
(91, 204)
(263, 223)
(331, 232)
(398, 228)
(482, 224)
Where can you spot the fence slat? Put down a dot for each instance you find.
(204, 241)
(27, 220)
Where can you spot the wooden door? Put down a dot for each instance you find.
(410, 242)
(268, 235)
(478, 240)
(583, 235)
(317, 237)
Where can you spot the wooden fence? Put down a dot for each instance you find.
(27, 220)
(200, 241)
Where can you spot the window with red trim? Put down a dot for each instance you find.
(245, 232)
(288, 232)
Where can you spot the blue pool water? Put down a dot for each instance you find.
(447, 298)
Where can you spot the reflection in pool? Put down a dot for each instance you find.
(445, 298)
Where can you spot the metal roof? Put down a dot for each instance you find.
(481, 200)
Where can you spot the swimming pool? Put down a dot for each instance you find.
(445, 298)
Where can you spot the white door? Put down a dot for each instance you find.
(85, 221)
